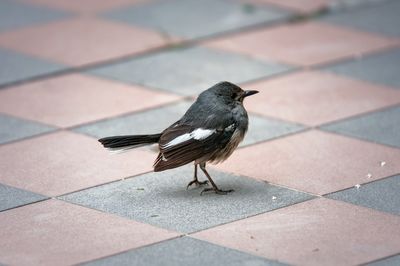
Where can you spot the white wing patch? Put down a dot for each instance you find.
(198, 134)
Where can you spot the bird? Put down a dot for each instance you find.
(209, 132)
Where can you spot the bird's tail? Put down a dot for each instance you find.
(123, 143)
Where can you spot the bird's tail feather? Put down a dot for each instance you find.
(123, 143)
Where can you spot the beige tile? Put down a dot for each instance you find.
(315, 98)
(58, 233)
(316, 232)
(315, 162)
(303, 44)
(80, 41)
(63, 162)
(75, 99)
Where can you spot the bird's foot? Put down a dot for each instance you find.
(217, 191)
(197, 183)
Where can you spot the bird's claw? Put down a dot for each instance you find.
(197, 183)
(217, 191)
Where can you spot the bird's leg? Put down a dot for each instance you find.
(195, 180)
(214, 186)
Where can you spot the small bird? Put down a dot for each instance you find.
(209, 131)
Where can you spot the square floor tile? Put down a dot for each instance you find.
(184, 251)
(381, 68)
(81, 41)
(75, 99)
(382, 195)
(156, 120)
(321, 97)
(194, 69)
(391, 261)
(301, 6)
(382, 127)
(57, 233)
(381, 19)
(22, 67)
(12, 128)
(316, 232)
(11, 197)
(161, 199)
(303, 44)
(85, 7)
(177, 17)
(314, 161)
(14, 15)
(63, 162)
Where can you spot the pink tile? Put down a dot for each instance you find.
(75, 99)
(301, 6)
(303, 44)
(63, 162)
(84, 7)
(315, 161)
(317, 232)
(81, 41)
(314, 98)
(58, 233)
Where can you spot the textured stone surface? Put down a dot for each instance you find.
(381, 127)
(194, 69)
(161, 199)
(21, 67)
(382, 195)
(184, 251)
(192, 18)
(13, 128)
(382, 68)
(11, 197)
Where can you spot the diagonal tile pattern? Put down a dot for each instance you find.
(50, 101)
(63, 162)
(66, 234)
(161, 199)
(12, 128)
(380, 68)
(195, 69)
(80, 41)
(177, 17)
(381, 195)
(314, 161)
(316, 232)
(381, 127)
(184, 251)
(11, 197)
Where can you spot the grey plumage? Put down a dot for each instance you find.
(209, 131)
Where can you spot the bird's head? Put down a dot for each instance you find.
(229, 92)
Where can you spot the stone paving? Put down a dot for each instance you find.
(316, 180)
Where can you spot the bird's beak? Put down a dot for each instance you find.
(250, 92)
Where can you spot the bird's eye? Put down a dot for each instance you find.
(234, 95)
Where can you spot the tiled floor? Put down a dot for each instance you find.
(315, 181)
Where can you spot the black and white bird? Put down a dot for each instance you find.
(209, 131)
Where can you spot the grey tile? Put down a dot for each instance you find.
(161, 199)
(11, 197)
(189, 71)
(156, 120)
(12, 128)
(14, 14)
(392, 261)
(15, 67)
(382, 18)
(383, 68)
(381, 127)
(382, 195)
(184, 251)
(193, 18)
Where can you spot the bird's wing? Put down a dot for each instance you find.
(181, 144)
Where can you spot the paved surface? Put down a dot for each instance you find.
(316, 180)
